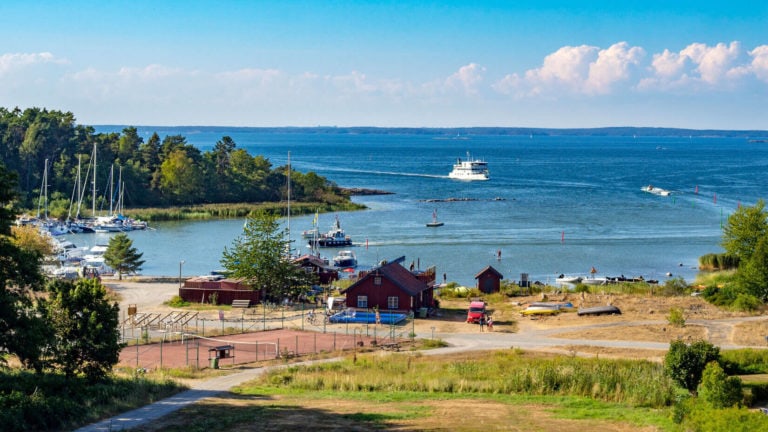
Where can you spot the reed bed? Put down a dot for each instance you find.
(234, 210)
(633, 382)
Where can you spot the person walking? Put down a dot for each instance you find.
(490, 323)
(481, 321)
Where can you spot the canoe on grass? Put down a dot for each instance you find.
(600, 310)
(540, 310)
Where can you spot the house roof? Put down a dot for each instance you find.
(311, 259)
(489, 269)
(398, 275)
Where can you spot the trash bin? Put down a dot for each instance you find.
(422, 312)
(215, 363)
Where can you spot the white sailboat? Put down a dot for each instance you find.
(435, 223)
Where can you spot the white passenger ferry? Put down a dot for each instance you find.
(469, 169)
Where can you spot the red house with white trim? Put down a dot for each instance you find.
(392, 287)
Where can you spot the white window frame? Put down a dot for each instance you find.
(362, 301)
(393, 302)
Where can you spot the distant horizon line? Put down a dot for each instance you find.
(488, 130)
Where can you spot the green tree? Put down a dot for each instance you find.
(259, 257)
(752, 275)
(685, 363)
(744, 228)
(718, 389)
(128, 144)
(19, 272)
(181, 179)
(85, 324)
(122, 256)
(221, 152)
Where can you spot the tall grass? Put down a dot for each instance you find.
(234, 210)
(720, 261)
(745, 361)
(31, 401)
(638, 383)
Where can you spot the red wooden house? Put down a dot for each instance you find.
(392, 287)
(489, 280)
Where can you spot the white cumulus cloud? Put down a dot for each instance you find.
(696, 65)
(10, 62)
(467, 78)
(759, 64)
(612, 66)
(580, 69)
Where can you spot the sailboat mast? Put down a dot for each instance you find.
(289, 196)
(75, 191)
(43, 193)
(93, 210)
(111, 187)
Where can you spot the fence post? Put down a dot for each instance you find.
(257, 350)
(161, 354)
(277, 354)
(314, 334)
(137, 353)
(297, 345)
(334, 341)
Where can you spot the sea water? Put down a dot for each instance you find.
(553, 204)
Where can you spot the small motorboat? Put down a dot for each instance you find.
(592, 280)
(333, 238)
(656, 190)
(345, 259)
(563, 279)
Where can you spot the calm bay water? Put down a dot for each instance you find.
(553, 204)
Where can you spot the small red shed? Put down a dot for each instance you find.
(489, 280)
(392, 287)
(207, 289)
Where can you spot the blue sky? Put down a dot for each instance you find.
(683, 64)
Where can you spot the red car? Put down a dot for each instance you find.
(476, 311)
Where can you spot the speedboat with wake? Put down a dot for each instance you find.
(656, 190)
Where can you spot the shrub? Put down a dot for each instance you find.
(177, 301)
(746, 303)
(718, 389)
(676, 317)
(685, 363)
(581, 288)
(675, 286)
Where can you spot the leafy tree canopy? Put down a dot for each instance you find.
(19, 271)
(85, 324)
(259, 257)
(743, 230)
(160, 171)
(685, 363)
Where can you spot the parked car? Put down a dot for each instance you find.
(476, 311)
